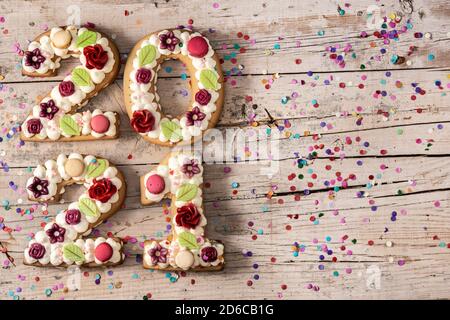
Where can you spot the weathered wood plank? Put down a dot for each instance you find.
(284, 23)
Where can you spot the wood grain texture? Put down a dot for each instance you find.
(391, 151)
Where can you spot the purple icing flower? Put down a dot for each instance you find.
(195, 117)
(48, 109)
(190, 168)
(36, 251)
(158, 254)
(73, 216)
(56, 233)
(168, 41)
(209, 254)
(34, 126)
(66, 88)
(203, 97)
(38, 187)
(143, 75)
(34, 58)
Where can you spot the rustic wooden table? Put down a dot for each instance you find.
(375, 195)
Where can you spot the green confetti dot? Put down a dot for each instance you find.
(399, 132)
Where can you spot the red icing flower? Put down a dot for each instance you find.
(102, 190)
(188, 216)
(34, 126)
(96, 57)
(143, 121)
(209, 254)
(203, 97)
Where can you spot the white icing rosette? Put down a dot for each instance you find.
(63, 53)
(46, 51)
(155, 40)
(66, 103)
(80, 228)
(198, 231)
(162, 171)
(41, 239)
(98, 75)
(152, 107)
(116, 246)
(151, 246)
(219, 247)
(108, 114)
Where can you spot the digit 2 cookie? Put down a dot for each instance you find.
(60, 243)
(140, 80)
(180, 177)
(54, 118)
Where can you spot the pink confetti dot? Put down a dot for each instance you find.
(215, 5)
(437, 204)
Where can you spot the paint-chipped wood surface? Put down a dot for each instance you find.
(391, 151)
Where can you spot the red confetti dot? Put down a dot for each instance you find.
(273, 259)
(249, 283)
(288, 227)
(298, 61)
(130, 157)
(370, 243)
(283, 287)
(239, 34)
(254, 237)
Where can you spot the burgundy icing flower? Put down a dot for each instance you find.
(34, 126)
(102, 190)
(142, 121)
(208, 254)
(188, 216)
(38, 187)
(48, 109)
(56, 233)
(143, 75)
(73, 216)
(158, 254)
(168, 41)
(203, 97)
(190, 168)
(96, 57)
(194, 117)
(66, 88)
(36, 251)
(34, 58)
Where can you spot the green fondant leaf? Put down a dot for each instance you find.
(97, 168)
(171, 130)
(88, 207)
(147, 54)
(69, 126)
(73, 252)
(209, 79)
(86, 39)
(81, 77)
(187, 192)
(188, 240)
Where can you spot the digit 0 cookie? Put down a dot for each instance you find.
(54, 118)
(180, 177)
(60, 243)
(140, 81)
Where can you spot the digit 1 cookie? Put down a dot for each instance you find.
(141, 97)
(180, 177)
(54, 117)
(60, 243)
